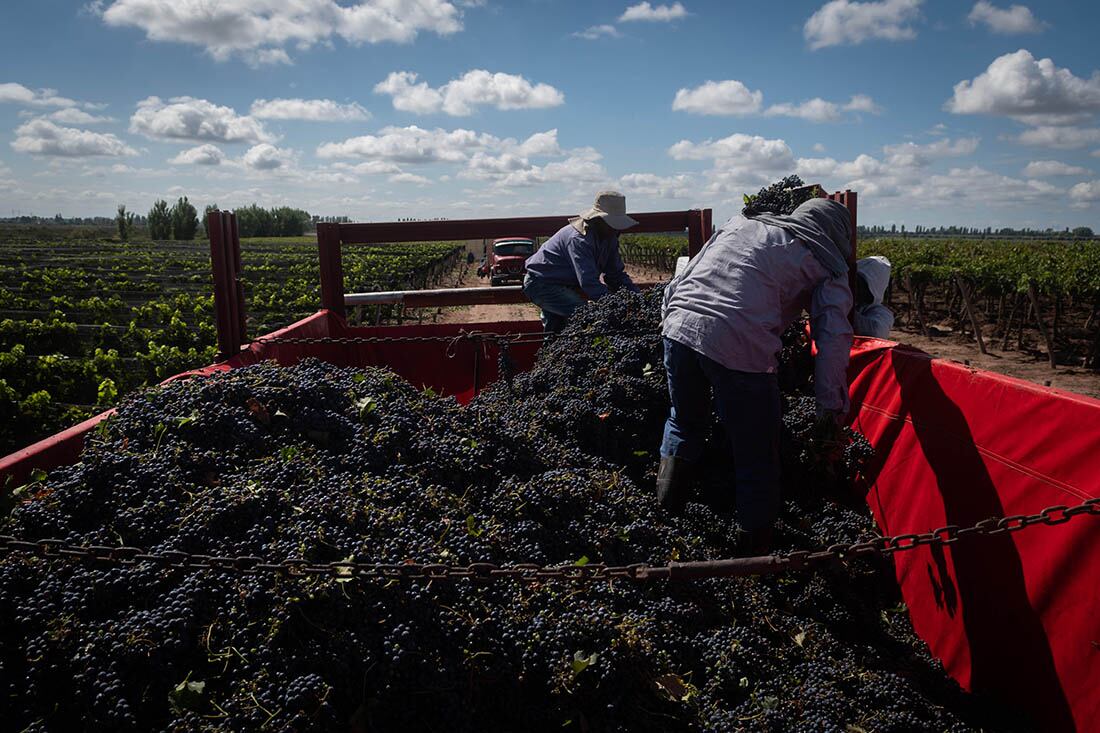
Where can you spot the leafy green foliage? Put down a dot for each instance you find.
(91, 321)
(994, 267)
(185, 220)
(125, 223)
(653, 250)
(160, 221)
(254, 221)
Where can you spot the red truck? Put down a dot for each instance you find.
(506, 260)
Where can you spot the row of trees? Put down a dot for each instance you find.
(1003, 233)
(283, 221)
(181, 221)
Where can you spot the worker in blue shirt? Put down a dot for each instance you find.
(566, 270)
(723, 317)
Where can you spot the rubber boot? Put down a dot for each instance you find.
(674, 483)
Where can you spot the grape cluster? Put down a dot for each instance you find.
(326, 463)
(781, 197)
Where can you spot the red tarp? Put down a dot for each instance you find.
(1015, 615)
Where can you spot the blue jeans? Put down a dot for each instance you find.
(749, 407)
(557, 301)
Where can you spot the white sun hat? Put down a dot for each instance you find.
(611, 207)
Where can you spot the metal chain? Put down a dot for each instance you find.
(517, 337)
(526, 572)
(350, 340)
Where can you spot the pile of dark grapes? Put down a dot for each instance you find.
(327, 463)
(781, 197)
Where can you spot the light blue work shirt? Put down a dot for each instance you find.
(577, 260)
(739, 294)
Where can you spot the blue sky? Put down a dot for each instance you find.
(982, 114)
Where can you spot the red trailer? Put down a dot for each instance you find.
(1014, 614)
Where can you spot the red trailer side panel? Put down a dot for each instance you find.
(1016, 614)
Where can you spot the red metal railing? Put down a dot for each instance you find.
(225, 262)
(225, 256)
(332, 237)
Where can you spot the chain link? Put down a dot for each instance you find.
(531, 573)
(515, 337)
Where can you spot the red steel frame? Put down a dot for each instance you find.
(332, 237)
(225, 262)
(225, 256)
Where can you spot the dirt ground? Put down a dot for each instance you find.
(1028, 365)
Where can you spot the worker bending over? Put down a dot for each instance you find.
(872, 318)
(566, 269)
(723, 318)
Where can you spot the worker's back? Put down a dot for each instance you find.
(748, 283)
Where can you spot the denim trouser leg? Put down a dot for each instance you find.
(749, 407)
(689, 393)
(556, 301)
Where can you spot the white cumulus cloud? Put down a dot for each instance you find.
(914, 154)
(42, 137)
(1031, 90)
(258, 30)
(460, 97)
(863, 103)
(841, 22)
(583, 167)
(893, 174)
(411, 145)
(813, 110)
(13, 93)
(977, 185)
(1085, 193)
(654, 13)
(509, 163)
(665, 187)
(1044, 168)
(409, 178)
(733, 98)
(315, 110)
(267, 157)
(201, 155)
(367, 167)
(1061, 138)
(74, 116)
(595, 32)
(190, 119)
(729, 97)
(1013, 20)
(746, 152)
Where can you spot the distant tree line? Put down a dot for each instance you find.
(181, 221)
(59, 220)
(255, 221)
(987, 232)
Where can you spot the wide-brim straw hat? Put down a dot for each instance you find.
(611, 207)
